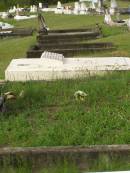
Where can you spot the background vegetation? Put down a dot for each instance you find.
(5, 4)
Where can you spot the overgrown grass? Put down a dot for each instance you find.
(49, 115)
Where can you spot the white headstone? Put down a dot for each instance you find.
(83, 9)
(113, 4)
(100, 8)
(59, 5)
(67, 10)
(108, 20)
(113, 7)
(14, 8)
(34, 8)
(76, 8)
(4, 26)
(40, 5)
(59, 9)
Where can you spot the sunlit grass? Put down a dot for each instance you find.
(49, 115)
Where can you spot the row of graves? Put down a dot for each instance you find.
(53, 57)
(68, 42)
(81, 7)
(88, 7)
(94, 6)
(97, 7)
(7, 30)
(18, 15)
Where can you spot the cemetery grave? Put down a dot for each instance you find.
(53, 66)
(46, 113)
(16, 32)
(68, 42)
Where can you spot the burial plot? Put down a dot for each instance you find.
(68, 42)
(53, 66)
(5, 26)
(68, 49)
(15, 32)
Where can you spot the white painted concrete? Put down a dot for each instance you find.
(52, 69)
(17, 17)
(48, 9)
(4, 15)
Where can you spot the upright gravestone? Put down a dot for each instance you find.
(33, 9)
(59, 8)
(113, 7)
(108, 19)
(67, 10)
(40, 5)
(83, 9)
(76, 8)
(92, 5)
(100, 8)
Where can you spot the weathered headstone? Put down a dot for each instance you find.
(40, 5)
(76, 8)
(113, 7)
(83, 8)
(59, 9)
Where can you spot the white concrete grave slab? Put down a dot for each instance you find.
(4, 26)
(4, 15)
(24, 17)
(19, 17)
(48, 9)
(57, 67)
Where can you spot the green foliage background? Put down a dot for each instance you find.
(5, 4)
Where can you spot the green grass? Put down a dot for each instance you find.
(101, 165)
(49, 115)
